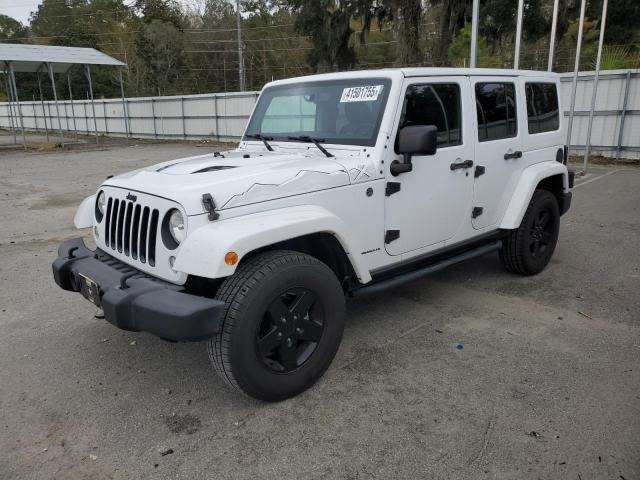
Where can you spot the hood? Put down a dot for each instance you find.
(235, 178)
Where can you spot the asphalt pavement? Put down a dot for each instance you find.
(472, 373)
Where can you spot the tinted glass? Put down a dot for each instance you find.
(338, 111)
(542, 107)
(496, 107)
(435, 104)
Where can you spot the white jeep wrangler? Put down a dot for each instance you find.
(343, 184)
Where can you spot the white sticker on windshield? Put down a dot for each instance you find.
(367, 93)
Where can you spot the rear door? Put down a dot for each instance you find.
(498, 147)
(431, 203)
(542, 130)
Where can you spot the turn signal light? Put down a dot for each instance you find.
(231, 258)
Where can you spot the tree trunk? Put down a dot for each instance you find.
(445, 35)
(409, 13)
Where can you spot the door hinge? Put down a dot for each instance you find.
(479, 171)
(476, 212)
(391, 235)
(391, 188)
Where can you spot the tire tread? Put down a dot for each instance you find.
(233, 291)
(512, 251)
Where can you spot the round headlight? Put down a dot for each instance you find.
(101, 205)
(176, 226)
(102, 202)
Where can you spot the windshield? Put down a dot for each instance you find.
(333, 111)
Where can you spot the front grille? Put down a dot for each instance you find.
(132, 229)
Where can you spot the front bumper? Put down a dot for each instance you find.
(133, 301)
(565, 202)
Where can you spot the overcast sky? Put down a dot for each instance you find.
(19, 9)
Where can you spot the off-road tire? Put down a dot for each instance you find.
(234, 351)
(518, 252)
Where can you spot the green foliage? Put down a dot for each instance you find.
(567, 45)
(498, 21)
(616, 58)
(328, 24)
(12, 31)
(461, 46)
(174, 49)
(160, 46)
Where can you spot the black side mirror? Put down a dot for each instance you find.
(414, 140)
(418, 140)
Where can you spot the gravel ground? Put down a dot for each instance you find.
(546, 386)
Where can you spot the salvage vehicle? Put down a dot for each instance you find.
(342, 185)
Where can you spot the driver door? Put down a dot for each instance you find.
(433, 201)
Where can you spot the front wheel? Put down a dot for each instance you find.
(282, 327)
(528, 249)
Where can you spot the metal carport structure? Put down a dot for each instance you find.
(55, 60)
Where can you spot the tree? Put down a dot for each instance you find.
(460, 49)
(405, 16)
(159, 44)
(451, 20)
(567, 46)
(409, 15)
(328, 24)
(12, 31)
(498, 22)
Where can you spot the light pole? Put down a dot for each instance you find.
(474, 32)
(240, 56)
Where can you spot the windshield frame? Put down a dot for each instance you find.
(261, 107)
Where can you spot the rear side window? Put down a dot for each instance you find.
(435, 104)
(496, 108)
(542, 107)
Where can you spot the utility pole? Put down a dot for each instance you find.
(574, 85)
(474, 32)
(552, 40)
(240, 56)
(516, 59)
(587, 144)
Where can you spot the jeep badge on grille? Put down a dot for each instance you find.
(132, 197)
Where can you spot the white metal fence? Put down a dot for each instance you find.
(223, 116)
(616, 117)
(218, 116)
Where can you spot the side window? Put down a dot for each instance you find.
(435, 104)
(496, 107)
(542, 107)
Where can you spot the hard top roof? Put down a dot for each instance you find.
(417, 72)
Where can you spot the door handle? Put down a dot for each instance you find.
(465, 164)
(516, 154)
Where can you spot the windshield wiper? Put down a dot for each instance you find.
(264, 139)
(315, 141)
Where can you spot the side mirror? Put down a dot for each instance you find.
(418, 140)
(414, 140)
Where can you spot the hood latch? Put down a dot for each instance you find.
(210, 206)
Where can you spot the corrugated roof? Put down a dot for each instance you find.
(28, 58)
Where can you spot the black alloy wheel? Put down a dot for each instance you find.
(282, 325)
(528, 249)
(290, 330)
(541, 233)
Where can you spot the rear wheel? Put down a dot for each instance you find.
(528, 249)
(283, 325)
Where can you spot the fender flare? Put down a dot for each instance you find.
(203, 251)
(84, 214)
(529, 180)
